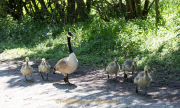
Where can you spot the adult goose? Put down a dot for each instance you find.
(69, 64)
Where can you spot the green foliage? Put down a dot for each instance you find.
(97, 43)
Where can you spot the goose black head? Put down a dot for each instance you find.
(70, 34)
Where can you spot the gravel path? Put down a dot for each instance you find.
(91, 89)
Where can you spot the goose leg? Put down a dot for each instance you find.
(25, 77)
(47, 75)
(108, 75)
(136, 88)
(125, 75)
(116, 77)
(42, 76)
(67, 79)
(145, 91)
(132, 74)
(31, 77)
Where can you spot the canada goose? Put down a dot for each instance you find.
(113, 68)
(27, 69)
(143, 79)
(129, 65)
(44, 67)
(69, 64)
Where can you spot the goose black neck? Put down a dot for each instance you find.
(69, 45)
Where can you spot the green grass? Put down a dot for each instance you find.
(96, 43)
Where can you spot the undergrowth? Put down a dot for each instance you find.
(96, 43)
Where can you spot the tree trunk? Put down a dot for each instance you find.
(129, 9)
(157, 10)
(71, 14)
(35, 6)
(88, 5)
(138, 6)
(145, 10)
(81, 10)
(43, 6)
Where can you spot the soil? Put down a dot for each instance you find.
(90, 88)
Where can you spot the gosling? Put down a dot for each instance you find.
(44, 67)
(26, 69)
(143, 79)
(113, 68)
(130, 66)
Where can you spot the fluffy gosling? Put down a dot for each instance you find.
(113, 68)
(130, 66)
(44, 67)
(143, 79)
(26, 69)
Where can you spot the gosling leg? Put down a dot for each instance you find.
(116, 77)
(108, 75)
(25, 77)
(125, 75)
(31, 77)
(132, 74)
(42, 76)
(67, 79)
(47, 75)
(145, 91)
(136, 88)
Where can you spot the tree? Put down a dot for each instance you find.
(70, 11)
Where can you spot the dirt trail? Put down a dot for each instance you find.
(91, 89)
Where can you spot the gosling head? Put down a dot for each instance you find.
(134, 63)
(43, 60)
(70, 34)
(116, 59)
(146, 68)
(27, 59)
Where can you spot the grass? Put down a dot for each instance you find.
(96, 43)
